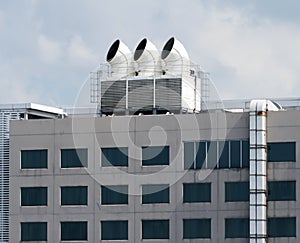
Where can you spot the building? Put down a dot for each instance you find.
(7, 113)
(183, 173)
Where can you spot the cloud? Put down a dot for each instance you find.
(79, 54)
(248, 53)
(261, 55)
(50, 51)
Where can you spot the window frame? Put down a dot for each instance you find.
(114, 204)
(165, 187)
(74, 221)
(74, 167)
(162, 147)
(33, 222)
(34, 149)
(155, 239)
(74, 205)
(196, 183)
(110, 165)
(109, 220)
(30, 206)
(194, 219)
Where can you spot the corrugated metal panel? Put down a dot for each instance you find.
(113, 94)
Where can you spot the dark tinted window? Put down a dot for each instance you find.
(189, 155)
(201, 155)
(281, 227)
(235, 154)
(73, 158)
(237, 228)
(34, 231)
(155, 229)
(282, 190)
(114, 156)
(245, 154)
(224, 154)
(74, 195)
(155, 155)
(212, 154)
(282, 152)
(236, 191)
(114, 195)
(155, 194)
(73, 231)
(34, 159)
(196, 228)
(34, 196)
(114, 230)
(196, 192)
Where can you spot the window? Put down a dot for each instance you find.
(74, 195)
(224, 154)
(235, 154)
(236, 191)
(237, 228)
(114, 156)
(74, 231)
(196, 192)
(155, 194)
(196, 228)
(155, 155)
(200, 155)
(282, 152)
(282, 227)
(74, 158)
(245, 154)
(114, 230)
(216, 154)
(282, 191)
(34, 159)
(34, 231)
(155, 229)
(34, 196)
(114, 194)
(189, 155)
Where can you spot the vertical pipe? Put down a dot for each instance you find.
(258, 172)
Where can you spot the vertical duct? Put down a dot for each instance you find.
(120, 59)
(258, 169)
(148, 59)
(175, 57)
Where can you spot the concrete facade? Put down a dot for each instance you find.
(135, 132)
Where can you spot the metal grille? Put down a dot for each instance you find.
(140, 93)
(168, 93)
(113, 94)
(5, 117)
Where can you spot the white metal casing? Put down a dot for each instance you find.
(175, 57)
(148, 59)
(120, 59)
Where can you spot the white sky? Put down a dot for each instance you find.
(48, 48)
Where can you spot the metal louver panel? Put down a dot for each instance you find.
(5, 117)
(140, 93)
(113, 94)
(168, 93)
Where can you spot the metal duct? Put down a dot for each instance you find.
(120, 59)
(148, 59)
(175, 57)
(258, 169)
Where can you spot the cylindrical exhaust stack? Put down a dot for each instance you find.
(148, 59)
(120, 59)
(175, 57)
